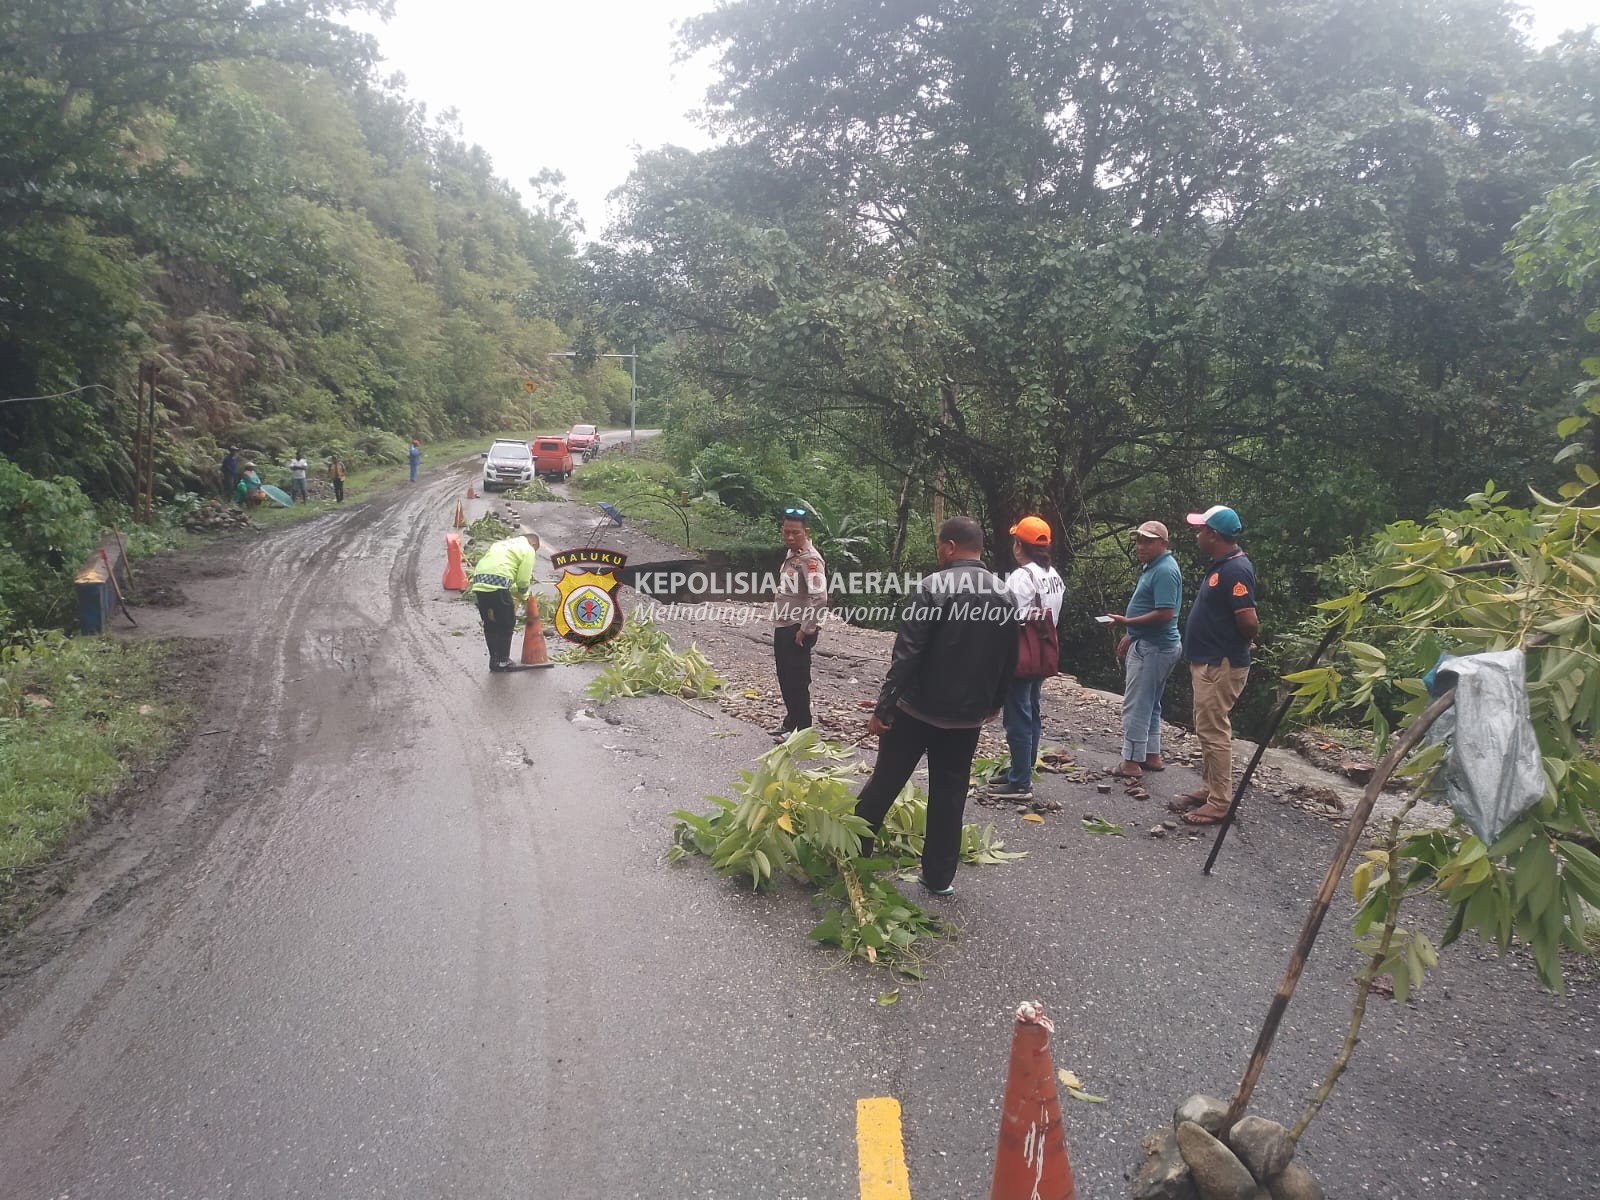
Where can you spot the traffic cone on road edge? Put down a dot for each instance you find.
(455, 573)
(461, 515)
(1030, 1161)
(534, 651)
(471, 495)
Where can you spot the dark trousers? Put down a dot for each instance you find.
(794, 675)
(949, 753)
(499, 623)
(338, 490)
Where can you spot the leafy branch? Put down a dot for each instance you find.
(794, 815)
(641, 662)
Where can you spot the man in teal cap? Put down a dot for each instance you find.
(1217, 640)
(500, 583)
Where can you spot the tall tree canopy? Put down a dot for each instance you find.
(1109, 258)
(222, 187)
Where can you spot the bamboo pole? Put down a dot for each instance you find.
(1319, 907)
(138, 438)
(150, 457)
(1365, 980)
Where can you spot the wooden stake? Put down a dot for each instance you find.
(1319, 907)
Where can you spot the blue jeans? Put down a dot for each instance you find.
(1148, 666)
(1022, 730)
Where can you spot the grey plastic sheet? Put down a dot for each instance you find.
(1492, 770)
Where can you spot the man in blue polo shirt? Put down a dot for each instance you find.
(1150, 648)
(1221, 629)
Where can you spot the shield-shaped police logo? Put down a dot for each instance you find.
(587, 610)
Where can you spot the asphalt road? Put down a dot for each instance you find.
(397, 927)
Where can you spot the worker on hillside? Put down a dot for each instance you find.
(248, 490)
(501, 582)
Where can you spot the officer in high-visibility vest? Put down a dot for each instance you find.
(501, 582)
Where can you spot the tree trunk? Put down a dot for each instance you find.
(947, 417)
(1065, 500)
(902, 514)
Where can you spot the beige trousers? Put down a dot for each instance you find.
(1215, 691)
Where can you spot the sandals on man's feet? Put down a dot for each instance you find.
(1205, 815)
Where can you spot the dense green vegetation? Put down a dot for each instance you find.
(1103, 261)
(75, 718)
(1111, 262)
(225, 189)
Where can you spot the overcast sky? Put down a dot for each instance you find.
(580, 86)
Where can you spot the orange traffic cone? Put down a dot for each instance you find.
(1030, 1161)
(455, 573)
(534, 651)
(461, 515)
(471, 495)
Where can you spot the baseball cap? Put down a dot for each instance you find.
(1033, 530)
(1152, 529)
(1220, 518)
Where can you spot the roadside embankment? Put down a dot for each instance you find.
(80, 720)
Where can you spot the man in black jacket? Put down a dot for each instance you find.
(954, 656)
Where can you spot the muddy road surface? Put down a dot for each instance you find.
(394, 926)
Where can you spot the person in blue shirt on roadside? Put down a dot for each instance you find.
(414, 454)
(1149, 649)
(1217, 640)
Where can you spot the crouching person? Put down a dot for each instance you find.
(501, 582)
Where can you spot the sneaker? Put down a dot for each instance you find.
(946, 890)
(1006, 791)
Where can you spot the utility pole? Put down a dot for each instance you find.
(633, 387)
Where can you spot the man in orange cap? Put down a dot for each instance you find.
(1038, 591)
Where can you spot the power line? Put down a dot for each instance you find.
(58, 395)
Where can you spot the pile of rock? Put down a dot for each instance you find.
(1190, 1162)
(211, 516)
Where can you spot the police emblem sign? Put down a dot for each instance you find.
(587, 610)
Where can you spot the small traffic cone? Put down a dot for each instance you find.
(471, 495)
(1030, 1161)
(455, 572)
(461, 515)
(534, 651)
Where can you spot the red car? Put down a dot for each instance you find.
(552, 457)
(583, 438)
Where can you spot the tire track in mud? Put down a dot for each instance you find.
(223, 853)
(201, 800)
(332, 584)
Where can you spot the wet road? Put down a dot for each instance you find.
(398, 927)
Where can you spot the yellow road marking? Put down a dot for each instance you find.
(880, 1152)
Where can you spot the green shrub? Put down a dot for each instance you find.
(75, 715)
(376, 446)
(47, 528)
(616, 477)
